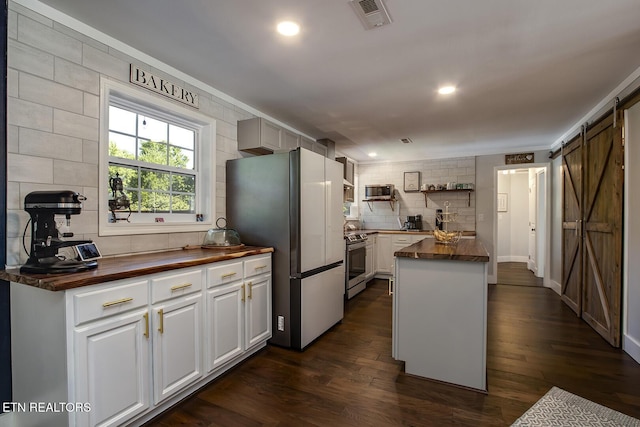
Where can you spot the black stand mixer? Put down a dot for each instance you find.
(45, 238)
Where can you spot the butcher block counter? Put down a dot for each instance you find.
(440, 311)
(124, 267)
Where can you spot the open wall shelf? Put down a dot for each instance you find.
(390, 201)
(427, 192)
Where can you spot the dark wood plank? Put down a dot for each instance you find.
(517, 273)
(348, 376)
(465, 250)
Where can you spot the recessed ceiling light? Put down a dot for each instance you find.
(446, 90)
(288, 28)
(373, 154)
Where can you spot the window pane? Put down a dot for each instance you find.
(129, 175)
(122, 146)
(153, 152)
(181, 158)
(183, 183)
(183, 203)
(181, 137)
(149, 128)
(122, 120)
(154, 202)
(154, 180)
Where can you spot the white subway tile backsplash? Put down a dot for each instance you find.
(91, 105)
(90, 152)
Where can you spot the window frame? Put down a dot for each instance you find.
(112, 92)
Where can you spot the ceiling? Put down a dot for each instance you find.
(526, 71)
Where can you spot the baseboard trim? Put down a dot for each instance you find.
(554, 286)
(631, 346)
(512, 258)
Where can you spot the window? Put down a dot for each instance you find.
(157, 164)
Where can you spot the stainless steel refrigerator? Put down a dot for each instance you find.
(293, 202)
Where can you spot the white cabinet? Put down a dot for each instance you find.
(112, 369)
(384, 255)
(400, 241)
(259, 136)
(238, 308)
(132, 348)
(306, 143)
(370, 259)
(290, 140)
(177, 345)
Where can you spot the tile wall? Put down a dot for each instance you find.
(53, 125)
(380, 215)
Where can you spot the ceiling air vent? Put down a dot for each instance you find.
(372, 13)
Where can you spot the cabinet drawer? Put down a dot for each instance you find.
(110, 300)
(258, 265)
(224, 272)
(173, 285)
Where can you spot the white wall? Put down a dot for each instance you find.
(381, 215)
(631, 274)
(513, 225)
(555, 198)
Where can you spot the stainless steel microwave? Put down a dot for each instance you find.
(384, 191)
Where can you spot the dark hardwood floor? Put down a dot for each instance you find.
(348, 377)
(517, 273)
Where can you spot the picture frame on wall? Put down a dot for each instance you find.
(502, 202)
(411, 182)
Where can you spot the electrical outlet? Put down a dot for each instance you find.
(281, 323)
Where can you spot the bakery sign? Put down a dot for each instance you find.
(162, 86)
(514, 159)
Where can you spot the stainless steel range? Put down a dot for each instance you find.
(356, 257)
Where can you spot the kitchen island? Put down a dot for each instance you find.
(440, 311)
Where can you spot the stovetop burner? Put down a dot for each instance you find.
(356, 238)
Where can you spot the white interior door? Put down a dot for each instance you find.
(541, 223)
(533, 213)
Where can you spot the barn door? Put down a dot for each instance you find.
(592, 227)
(602, 228)
(571, 216)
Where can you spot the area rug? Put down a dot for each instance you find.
(561, 408)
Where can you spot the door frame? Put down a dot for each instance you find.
(546, 279)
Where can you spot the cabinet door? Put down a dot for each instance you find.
(290, 140)
(112, 369)
(320, 148)
(177, 345)
(384, 255)
(224, 323)
(257, 310)
(270, 135)
(306, 143)
(369, 261)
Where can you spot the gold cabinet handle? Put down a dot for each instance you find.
(242, 299)
(259, 267)
(146, 324)
(250, 289)
(116, 302)
(161, 327)
(183, 286)
(225, 276)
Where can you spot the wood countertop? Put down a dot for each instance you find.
(124, 267)
(464, 250)
(419, 233)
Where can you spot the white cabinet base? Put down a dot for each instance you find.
(440, 320)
